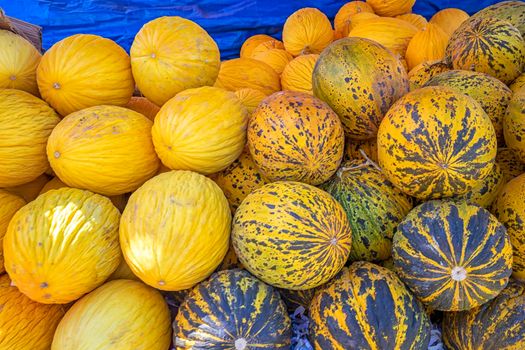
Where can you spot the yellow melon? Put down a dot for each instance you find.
(297, 75)
(242, 73)
(307, 30)
(143, 106)
(9, 205)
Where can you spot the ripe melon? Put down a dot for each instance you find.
(239, 73)
(9, 205)
(143, 106)
(307, 31)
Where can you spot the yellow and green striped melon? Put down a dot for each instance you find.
(295, 136)
(291, 235)
(487, 45)
(232, 310)
(373, 205)
(489, 92)
(497, 324)
(509, 208)
(453, 255)
(367, 307)
(360, 80)
(436, 142)
(511, 11)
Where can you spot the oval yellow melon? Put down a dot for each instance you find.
(250, 98)
(296, 137)
(191, 217)
(104, 149)
(30, 190)
(252, 42)
(62, 245)
(241, 73)
(518, 83)
(202, 130)
(346, 12)
(239, 179)
(18, 62)
(25, 324)
(25, 125)
(428, 44)
(143, 106)
(391, 7)
(307, 30)
(297, 75)
(120, 315)
(291, 235)
(394, 34)
(449, 19)
(275, 58)
(417, 20)
(436, 142)
(9, 205)
(172, 54)
(123, 272)
(266, 46)
(85, 70)
(514, 124)
(356, 19)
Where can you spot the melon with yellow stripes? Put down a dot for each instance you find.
(453, 255)
(291, 235)
(232, 310)
(366, 306)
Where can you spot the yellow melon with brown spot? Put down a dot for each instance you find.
(514, 124)
(518, 83)
(423, 72)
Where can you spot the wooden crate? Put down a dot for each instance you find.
(31, 32)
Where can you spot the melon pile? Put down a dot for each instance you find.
(365, 176)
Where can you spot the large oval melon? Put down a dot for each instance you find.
(360, 80)
(511, 11)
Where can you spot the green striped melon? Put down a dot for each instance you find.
(511, 11)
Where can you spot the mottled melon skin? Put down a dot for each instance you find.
(514, 124)
(489, 92)
(291, 235)
(486, 192)
(510, 164)
(497, 324)
(436, 142)
(366, 306)
(373, 205)
(360, 80)
(423, 72)
(452, 255)
(229, 309)
(511, 11)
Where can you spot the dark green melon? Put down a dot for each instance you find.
(496, 325)
(373, 205)
(232, 310)
(492, 94)
(366, 306)
(511, 11)
(453, 255)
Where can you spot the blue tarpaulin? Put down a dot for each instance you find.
(229, 22)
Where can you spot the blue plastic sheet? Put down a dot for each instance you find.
(229, 22)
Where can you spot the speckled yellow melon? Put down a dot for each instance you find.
(345, 13)
(510, 11)
(295, 136)
(172, 54)
(85, 70)
(518, 83)
(250, 98)
(297, 75)
(436, 142)
(241, 73)
(275, 58)
(202, 130)
(291, 235)
(391, 7)
(488, 45)
(120, 315)
(25, 324)
(252, 42)
(307, 30)
(191, 216)
(354, 150)
(510, 164)
(393, 33)
(104, 149)
(62, 245)
(428, 44)
(29, 191)
(417, 20)
(9, 205)
(510, 211)
(514, 124)
(143, 106)
(25, 125)
(423, 72)
(239, 179)
(360, 80)
(18, 62)
(489, 92)
(449, 19)
(486, 192)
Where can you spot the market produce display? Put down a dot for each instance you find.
(356, 183)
